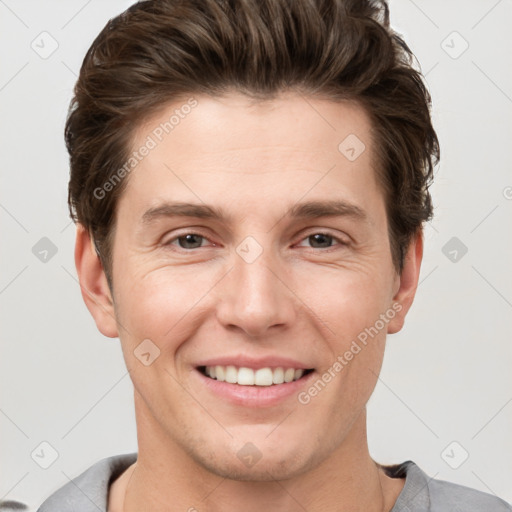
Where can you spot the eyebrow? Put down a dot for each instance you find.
(303, 211)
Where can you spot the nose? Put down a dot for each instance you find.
(255, 297)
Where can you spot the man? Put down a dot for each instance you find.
(249, 180)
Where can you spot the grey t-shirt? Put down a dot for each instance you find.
(89, 491)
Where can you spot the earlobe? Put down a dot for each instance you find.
(408, 283)
(93, 284)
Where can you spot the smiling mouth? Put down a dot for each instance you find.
(249, 377)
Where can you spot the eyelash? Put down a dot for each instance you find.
(341, 242)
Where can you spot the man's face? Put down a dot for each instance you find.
(259, 288)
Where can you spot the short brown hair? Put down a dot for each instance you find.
(159, 50)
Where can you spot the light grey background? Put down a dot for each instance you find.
(446, 376)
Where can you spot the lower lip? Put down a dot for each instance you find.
(255, 396)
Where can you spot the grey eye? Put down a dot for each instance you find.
(190, 241)
(321, 239)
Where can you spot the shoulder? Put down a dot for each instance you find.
(458, 498)
(421, 493)
(88, 492)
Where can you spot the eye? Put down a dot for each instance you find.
(323, 240)
(319, 240)
(187, 241)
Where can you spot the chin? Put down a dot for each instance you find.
(258, 461)
(262, 471)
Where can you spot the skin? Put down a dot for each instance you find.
(301, 298)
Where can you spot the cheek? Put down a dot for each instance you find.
(155, 311)
(345, 301)
(158, 304)
(353, 311)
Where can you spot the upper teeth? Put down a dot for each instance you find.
(249, 377)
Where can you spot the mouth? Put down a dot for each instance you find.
(256, 377)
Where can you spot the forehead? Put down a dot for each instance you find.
(235, 121)
(236, 149)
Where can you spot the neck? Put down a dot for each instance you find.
(166, 478)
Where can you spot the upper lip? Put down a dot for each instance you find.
(251, 362)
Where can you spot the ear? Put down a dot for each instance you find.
(407, 283)
(93, 284)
